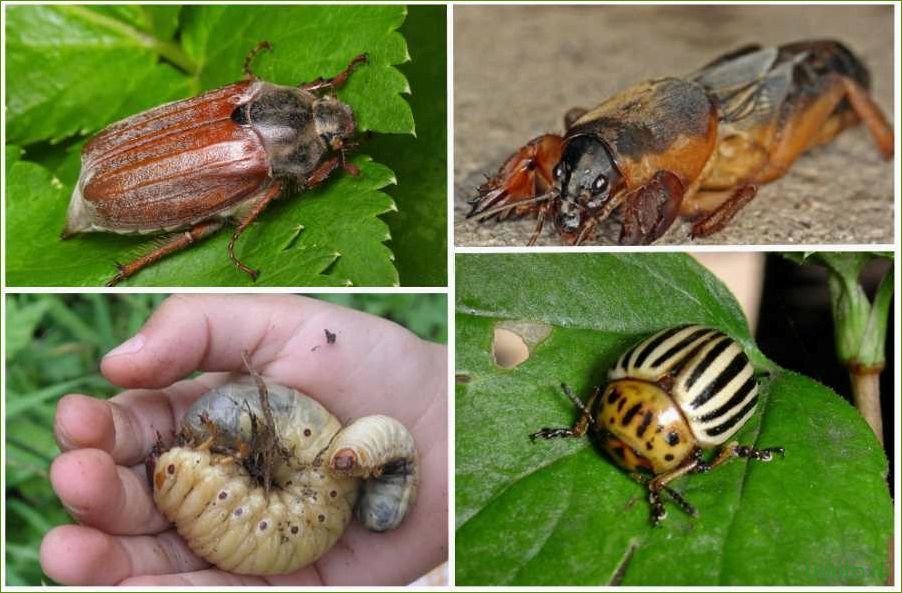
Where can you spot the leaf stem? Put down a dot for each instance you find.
(168, 50)
(866, 393)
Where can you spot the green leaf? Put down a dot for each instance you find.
(419, 227)
(341, 239)
(77, 69)
(559, 513)
(22, 321)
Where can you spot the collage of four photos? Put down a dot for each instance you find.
(450, 295)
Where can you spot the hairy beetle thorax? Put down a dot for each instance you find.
(643, 426)
(295, 126)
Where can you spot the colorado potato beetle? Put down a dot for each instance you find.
(264, 480)
(192, 165)
(673, 395)
(696, 146)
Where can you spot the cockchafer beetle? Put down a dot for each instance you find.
(696, 146)
(673, 395)
(194, 164)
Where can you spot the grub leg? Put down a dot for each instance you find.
(172, 244)
(271, 194)
(579, 427)
(524, 181)
(718, 218)
(651, 209)
(336, 81)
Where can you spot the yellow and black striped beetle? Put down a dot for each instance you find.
(670, 397)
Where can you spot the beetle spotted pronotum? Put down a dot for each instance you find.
(668, 398)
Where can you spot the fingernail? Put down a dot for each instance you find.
(131, 346)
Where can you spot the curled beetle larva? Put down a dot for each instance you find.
(264, 480)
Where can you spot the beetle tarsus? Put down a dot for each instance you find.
(338, 80)
(723, 214)
(258, 49)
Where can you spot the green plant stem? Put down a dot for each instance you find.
(866, 394)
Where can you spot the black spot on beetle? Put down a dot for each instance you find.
(620, 405)
(630, 414)
(307, 432)
(294, 529)
(668, 457)
(223, 495)
(648, 445)
(672, 438)
(613, 419)
(333, 493)
(646, 421)
(263, 525)
(613, 396)
(170, 469)
(238, 512)
(321, 518)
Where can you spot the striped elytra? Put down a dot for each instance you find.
(669, 397)
(321, 476)
(681, 388)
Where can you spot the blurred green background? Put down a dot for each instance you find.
(54, 343)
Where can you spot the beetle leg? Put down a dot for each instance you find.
(579, 427)
(525, 178)
(175, 243)
(650, 210)
(540, 222)
(258, 208)
(806, 125)
(658, 511)
(337, 80)
(324, 170)
(718, 218)
(871, 115)
(734, 450)
(260, 47)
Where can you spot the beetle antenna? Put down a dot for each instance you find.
(577, 402)
(486, 214)
(260, 47)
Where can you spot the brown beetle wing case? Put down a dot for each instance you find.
(169, 167)
(665, 124)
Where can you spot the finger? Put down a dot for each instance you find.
(201, 578)
(98, 493)
(286, 338)
(204, 332)
(77, 555)
(127, 425)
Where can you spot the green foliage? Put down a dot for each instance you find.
(558, 513)
(419, 227)
(138, 57)
(54, 347)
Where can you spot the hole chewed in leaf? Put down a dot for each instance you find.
(513, 341)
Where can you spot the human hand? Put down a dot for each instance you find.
(374, 367)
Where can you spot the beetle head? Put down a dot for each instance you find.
(585, 178)
(334, 121)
